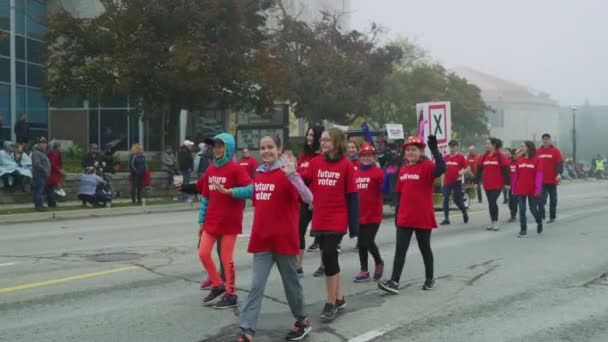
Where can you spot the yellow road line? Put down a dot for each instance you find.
(67, 279)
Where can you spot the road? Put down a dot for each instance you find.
(59, 281)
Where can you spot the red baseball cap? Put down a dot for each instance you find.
(413, 140)
(367, 148)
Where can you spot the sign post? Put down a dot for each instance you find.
(438, 118)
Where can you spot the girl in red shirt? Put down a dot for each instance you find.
(221, 216)
(528, 185)
(494, 170)
(415, 210)
(352, 153)
(275, 238)
(311, 150)
(331, 178)
(370, 179)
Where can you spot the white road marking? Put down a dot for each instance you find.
(8, 264)
(370, 335)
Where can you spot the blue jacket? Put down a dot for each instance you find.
(137, 165)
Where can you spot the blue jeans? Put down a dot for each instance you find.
(185, 197)
(40, 190)
(534, 203)
(549, 190)
(447, 190)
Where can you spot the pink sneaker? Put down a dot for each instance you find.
(361, 277)
(206, 285)
(378, 272)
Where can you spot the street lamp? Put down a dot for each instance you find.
(574, 134)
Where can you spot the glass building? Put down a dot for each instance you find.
(22, 73)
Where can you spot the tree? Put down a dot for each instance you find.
(168, 54)
(330, 74)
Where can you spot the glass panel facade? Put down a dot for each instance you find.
(36, 15)
(5, 15)
(36, 75)
(20, 16)
(38, 111)
(5, 43)
(36, 51)
(5, 70)
(5, 103)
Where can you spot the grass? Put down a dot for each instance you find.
(79, 207)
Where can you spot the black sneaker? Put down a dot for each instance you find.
(465, 216)
(539, 228)
(389, 286)
(227, 301)
(512, 219)
(313, 248)
(445, 223)
(299, 331)
(551, 221)
(341, 303)
(429, 284)
(215, 293)
(320, 272)
(522, 234)
(300, 272)
(329, 312)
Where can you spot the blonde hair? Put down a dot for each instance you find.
(338, 138)
(137, 148)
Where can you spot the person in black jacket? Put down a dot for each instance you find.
(92, 158)
(185, 163)
(138, 169)
(22, 130)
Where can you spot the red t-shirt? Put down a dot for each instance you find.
(356, 163)
(526, 176)
(415, 189)
(473, 161)
(329, 183)
(276, 215)
(304, 161)
(454, 164)
(224, 212)
(493, 178)
(250, 164)
(549, 157)
(369, 185)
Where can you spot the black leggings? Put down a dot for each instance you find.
(404, 235)
(305, 218)
(136, 188)
(329, 252)
(493, 196)
(513, 204)
(367, 243)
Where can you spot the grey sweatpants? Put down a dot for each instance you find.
(262, 265)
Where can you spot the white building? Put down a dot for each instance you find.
(518, 113)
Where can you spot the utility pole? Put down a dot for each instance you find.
(574, 134)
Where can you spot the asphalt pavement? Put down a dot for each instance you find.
(136, 278)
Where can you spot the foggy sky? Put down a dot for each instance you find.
(556, 46)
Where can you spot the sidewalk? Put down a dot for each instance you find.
(78, 213)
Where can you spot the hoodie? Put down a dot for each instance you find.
(223, 214)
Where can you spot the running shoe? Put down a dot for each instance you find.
(60, 192)
(329, 312)
(389, 286)
(551, 221)
(429, 284)
(522, 234)
(313, 248)
(539, 228)
(378, 272)
(227, 301)
(490, 226)
(495, 226)
(215, 293)
(341, 303)
(320, 272)
(299, 331)
(361, 277)
(206, 284)
(465, 216)
(300, 272)
(445, 222)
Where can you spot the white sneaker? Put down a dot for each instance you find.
(60, 192)
(495, 226)
(490, 226)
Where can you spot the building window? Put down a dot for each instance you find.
(5, 15)
(36, 18)
(36, 50)
(20, 16)
(497, 118)
(5, 43)
(5, 70)
(20, 72)
(37, 107)
(20, 47)
(21, 101)
(36, 75)
(5, 103)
